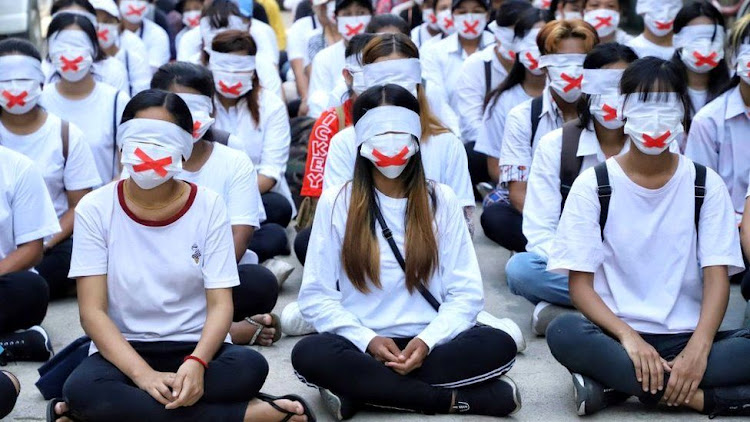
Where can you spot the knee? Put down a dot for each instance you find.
(278, 208)
(520, 271)
(83, 397)
(257, 283)
(501, 343)
(562, 333)
(309, 354)
(250, 368)
(33, 292)
(300, 244)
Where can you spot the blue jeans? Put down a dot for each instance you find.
(527, 276)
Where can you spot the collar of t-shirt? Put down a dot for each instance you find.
(455, 47)
(735, 104)
(549, 105)
(588, 145)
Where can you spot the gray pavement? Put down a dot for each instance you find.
(545, 386)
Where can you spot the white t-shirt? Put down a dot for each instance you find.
(45, 148)
(190, 47)
(297, 36)
(98, 116)
(134, 56)
(26, 211)
(325, 74)
(390, 311)
(648, 267)
(157, 271)
(267, 145)
(157, 40)
(698, 98)
(420, 35)
(644, 48)
(443, 158)
(490, 139)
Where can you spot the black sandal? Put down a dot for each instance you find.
(51, 415)
(291, 397)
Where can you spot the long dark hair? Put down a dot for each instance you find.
(157, 98)
(360, 253)
(233, 41)
(378, 22)
(650, 77)
(600, 56)
(186, 74)
(58, 5)
(66, 20)
(718, 77)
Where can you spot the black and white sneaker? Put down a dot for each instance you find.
(498, 397)
(591, 396)
(31, 345)
(730, 401)
(340, 408)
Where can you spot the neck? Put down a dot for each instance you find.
(201, 151)
(568, 109)
(608, 38)
(132, 27)
(79, 89)
(111, 51)
(507, 64)
(331, 34)
(533, 84)
(665, 41)
(432, 32)
(159, 195)
(24, 124)
(698, 81)
(745, 93)
(228, 103)
(611, 140)
(469, 46)
(648, 165)
(393, 188)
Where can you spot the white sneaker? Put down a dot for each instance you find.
(282, 270)
(544, 314)
(506, 325)
(292, 323)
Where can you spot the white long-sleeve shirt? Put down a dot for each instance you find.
(157, 40)
(492, 127)
(390, 311)
(325, 74)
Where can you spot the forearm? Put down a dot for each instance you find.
(111, 343)
(218, 320)
(713, 306)
(66, 224)
(517, 195)
(493, 168)
(265, 183)
(241, 236)
(25, 257)
(301, 80)
(591, 305)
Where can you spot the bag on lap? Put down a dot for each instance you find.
(54, 373)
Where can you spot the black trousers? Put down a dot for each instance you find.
(8, 395)
(23, 301)
(268, 241)
(278, 209)
(502, 223)
(300, 244)
(257, 292)
(333, 362)
(98, 391)
(55, 267)
(477, 168)
(582, 347)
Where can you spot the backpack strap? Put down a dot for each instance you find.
(570, 162)
(114, 135)
(536, 114)
(217, 135)
(341, 116)
(604, 190)
(487, 78)
(65, 137)
(700, 191)
(127, 71)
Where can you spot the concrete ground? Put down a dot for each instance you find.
(545, 385)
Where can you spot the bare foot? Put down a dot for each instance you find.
(260, 411)
(14, 380)
(61, 408)
(241, 332)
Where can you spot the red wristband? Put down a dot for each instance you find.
(197, 359)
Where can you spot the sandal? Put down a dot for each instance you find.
(291, 397)
(51, 415)
(275, 323)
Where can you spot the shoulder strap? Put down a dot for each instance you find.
(65, 136)
(570, 162)
(536, 114)
(341, 117)
(217, 135)
(487, 78)
(127, 71)
(700, 191)
(388, 235)
(114, 135)
(604, 190)
(315, 24)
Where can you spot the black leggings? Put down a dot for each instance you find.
(477, 168)
(8, 395)
(333, 362)
(582, 347)
(278, 209)
(257, 292)
(300, 244)
(502, 223)
(55, 267)
(268, 241)
(23, 301)
(98, 391)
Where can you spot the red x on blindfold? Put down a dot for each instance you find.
(151, 164)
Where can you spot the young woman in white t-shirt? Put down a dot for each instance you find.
(658, 18)
(649, 257)
(255, 116)
(155, 263)
(375, 319)
(604, 16)
(232, 175)
(58, 149)
(95, 107)
(134, 19)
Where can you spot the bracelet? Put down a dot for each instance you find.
(197, 359)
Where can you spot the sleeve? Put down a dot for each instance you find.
(295, 46)
(276, 139)
(339, 166)
(489, 139)
(90, 250)
(702, 143)
(219, 265)
(319, 299)
(718, 237)
(432, 71)
(159, 53)
(80, 169)
(242, 204)
(122, 101)
(441, 109)
(515, 157)
(33, 213)
(140, 72)
(269, 77)
(578, 244)
(470, 99)
(541, 211)
(188, 47)
(320, 86)
(461, 281)
(457, 173)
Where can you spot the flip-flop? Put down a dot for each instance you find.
(291, 397)
(275, 324)
(51, 415)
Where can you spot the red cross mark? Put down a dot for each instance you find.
(658, 142)
(386, 161)
(448, 23)
(611, 112)
(151, 164)
(512, 54)
(194, 21)
(354, 30)
(534, 63)
(234, 89)
(103, 34)
(433, 18)
(710, 60)
(70, 65)
(546, 4)
(572, 82)
(15, 100)
(135, 11)
(196, 127)
(663, 25)
(471, 28)
(603, 21)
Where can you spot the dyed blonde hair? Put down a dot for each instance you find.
(554, 32)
